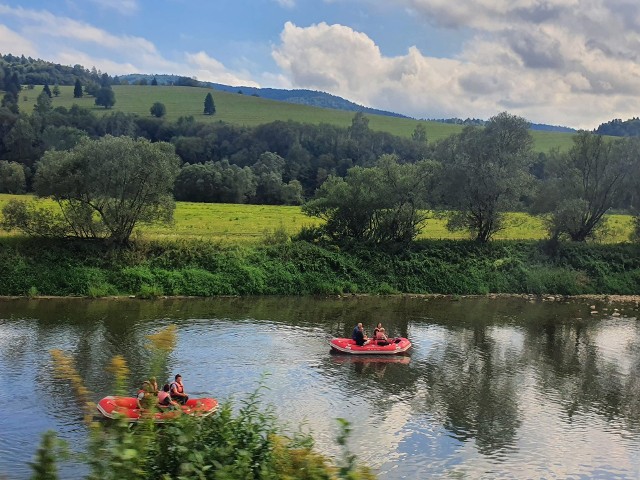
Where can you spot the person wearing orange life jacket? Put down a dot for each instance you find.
(177, 390)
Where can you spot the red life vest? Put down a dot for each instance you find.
(178, 387)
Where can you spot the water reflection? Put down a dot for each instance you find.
(491, 388)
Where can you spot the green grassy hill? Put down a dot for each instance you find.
(247, 110)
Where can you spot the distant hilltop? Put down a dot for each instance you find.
(32, 71)
(300, 96)
(309, 97)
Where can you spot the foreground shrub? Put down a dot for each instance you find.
(244, 443)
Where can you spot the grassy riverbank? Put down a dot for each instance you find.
(202, 268)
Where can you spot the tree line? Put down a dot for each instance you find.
(366, 185)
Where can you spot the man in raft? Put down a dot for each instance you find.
(177, 390)
(359, 336)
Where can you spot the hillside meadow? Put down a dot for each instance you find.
(251, 224)
(251, 111)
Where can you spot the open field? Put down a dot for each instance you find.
(247, 110)
(248, 224)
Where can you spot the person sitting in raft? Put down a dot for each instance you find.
(153, 383)
(378, 332)
(177, 390)
(164, 398)
(144, 395)
(359, 336)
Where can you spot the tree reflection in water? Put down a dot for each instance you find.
(481, 370)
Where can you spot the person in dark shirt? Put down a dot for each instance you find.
(359, 336)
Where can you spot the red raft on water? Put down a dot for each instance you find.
(117, 407)
(393, 346)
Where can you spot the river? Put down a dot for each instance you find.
(492, 387)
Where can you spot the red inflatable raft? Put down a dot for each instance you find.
(116, 407)
(392, 347)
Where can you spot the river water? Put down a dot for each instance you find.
(492, 388)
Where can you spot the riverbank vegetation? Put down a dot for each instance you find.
(202, 268)
(370, 198)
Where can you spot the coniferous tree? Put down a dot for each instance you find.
(10, 102)
(209, 106)
(154, 81)
(56, 90)
(47, 90)
(77, 89)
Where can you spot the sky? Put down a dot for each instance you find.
(564, 62)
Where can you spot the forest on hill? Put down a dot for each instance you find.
(108, 171)
(620, 128)
(476, 174)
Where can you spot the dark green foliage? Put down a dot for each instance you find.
(92, 88)
(12, 178)
(308, 154)
(32, 71)
(201, 268)
(215, 182)
(382, 204)
(44, 466)
(105, 97)
(209, 106)
(104, 188)
(46, 90)
(43, 104)
(77, 89)
(158, 109)
(235, 444)
(583, 184)
(485, 174)
(619, 128)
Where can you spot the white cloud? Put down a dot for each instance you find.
(125, 7)
(571, 62)
(41, 23)
(11, 42)
(68, 41)
(211, 70)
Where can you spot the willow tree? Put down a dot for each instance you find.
(381, 204)
(583, 184)
(485, 172)
(104, 188)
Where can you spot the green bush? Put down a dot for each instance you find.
(201, 268)
(149, 291)
(249, 444)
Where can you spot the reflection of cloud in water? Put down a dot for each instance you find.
(607, 337)
(485, 393)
